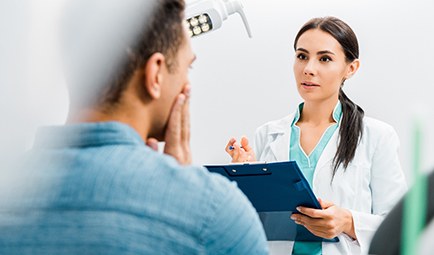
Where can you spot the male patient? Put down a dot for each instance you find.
(97, 186)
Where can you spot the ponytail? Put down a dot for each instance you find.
(350, 132)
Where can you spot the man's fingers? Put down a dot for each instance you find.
(177, 134)
(185, 125)
(152, 143)
(185, 131)
(173, 131)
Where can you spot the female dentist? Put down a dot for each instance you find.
(350, 161)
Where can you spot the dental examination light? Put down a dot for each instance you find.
(208, 15)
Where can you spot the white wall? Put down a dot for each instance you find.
(240, 83)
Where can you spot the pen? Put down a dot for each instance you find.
(232, 147)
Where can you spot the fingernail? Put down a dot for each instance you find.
(181, 100)
(293, 217)
(187, 91)
(298, 208)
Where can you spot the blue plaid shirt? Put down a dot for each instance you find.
(96, 188)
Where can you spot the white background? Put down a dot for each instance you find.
(240, 83)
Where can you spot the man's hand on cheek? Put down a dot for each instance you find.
(177, 135)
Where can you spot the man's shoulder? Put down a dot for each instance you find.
(193, 180)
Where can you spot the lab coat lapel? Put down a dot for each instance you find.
(281, 131)
(329, 152)
(280, 146)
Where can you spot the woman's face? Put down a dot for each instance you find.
(320, 66)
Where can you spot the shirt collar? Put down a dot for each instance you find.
(86, 135)
(337, 113)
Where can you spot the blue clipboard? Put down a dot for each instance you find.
(275, 190)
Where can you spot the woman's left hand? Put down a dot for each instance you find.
(327, 223)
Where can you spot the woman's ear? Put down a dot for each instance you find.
(352, 68)
(154, 75)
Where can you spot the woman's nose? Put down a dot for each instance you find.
(309, 69)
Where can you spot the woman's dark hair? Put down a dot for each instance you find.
(351, 127)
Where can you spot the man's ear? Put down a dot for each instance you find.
(352, 68)
(154, 75)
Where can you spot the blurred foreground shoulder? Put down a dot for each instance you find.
(232, 225)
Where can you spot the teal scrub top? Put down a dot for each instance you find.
(307, 164)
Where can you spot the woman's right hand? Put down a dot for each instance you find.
(243, 153)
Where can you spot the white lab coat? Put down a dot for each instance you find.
(369, 187)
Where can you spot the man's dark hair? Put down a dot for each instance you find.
(104, 43)
(163, 33)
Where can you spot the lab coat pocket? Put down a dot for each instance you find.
(353, 246)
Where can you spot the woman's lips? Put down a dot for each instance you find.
(309, 85)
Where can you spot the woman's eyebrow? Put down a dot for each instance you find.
(324, 52)
(318, 53)
(301, 49)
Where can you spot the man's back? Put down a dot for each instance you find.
(100, 190)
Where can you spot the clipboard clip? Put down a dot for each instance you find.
(247, 169)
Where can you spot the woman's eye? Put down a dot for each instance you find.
(325, 59)
(301, 56)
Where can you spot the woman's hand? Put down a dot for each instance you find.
(327, 223)
(243, 153)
